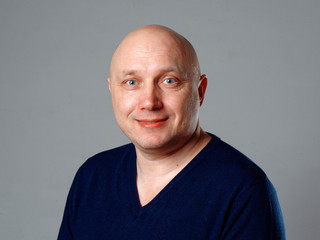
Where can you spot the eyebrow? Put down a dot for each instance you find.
(129, 72)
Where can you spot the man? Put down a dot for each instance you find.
(174, 181)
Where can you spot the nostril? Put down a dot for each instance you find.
(151, 102)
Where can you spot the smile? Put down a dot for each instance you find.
(152, 123)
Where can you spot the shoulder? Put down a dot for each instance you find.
(106, 161)
(241, 192)
(232, 167)
(109, 155)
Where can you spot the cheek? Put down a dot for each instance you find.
(122, 104)
(191, 106)
(184, 105)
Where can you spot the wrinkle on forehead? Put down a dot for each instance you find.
(155, 39)
(160, 71)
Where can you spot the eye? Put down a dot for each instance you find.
(169, 81)
(131, 82)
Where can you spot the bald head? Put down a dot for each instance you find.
(156, 89)
(156, 39)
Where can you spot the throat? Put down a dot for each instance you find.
(154, 176)
(148, 189)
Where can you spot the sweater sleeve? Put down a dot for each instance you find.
(65, 232)
(255, 214)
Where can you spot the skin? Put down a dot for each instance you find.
(157, 91)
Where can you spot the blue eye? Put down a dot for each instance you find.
(131, 82)
(169, 81)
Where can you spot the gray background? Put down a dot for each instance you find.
(262, 59)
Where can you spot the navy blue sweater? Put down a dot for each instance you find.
(220, 194)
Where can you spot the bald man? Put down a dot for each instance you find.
(174, 180)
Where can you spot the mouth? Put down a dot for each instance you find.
(152, 123)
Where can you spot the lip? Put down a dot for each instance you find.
(152, 123)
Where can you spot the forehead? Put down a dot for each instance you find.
(151, 58)
(149, 53)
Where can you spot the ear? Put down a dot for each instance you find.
(109, 84)
(202, 87)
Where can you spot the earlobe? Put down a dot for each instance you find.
(109, 84)
(202, 87)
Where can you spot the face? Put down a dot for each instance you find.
(156, 94)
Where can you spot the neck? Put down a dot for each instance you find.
(155, 171)
(157, 164)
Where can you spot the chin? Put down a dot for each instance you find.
(150, 142)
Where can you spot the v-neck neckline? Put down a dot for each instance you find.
(132, 175)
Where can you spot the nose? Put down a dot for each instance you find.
(151, 98)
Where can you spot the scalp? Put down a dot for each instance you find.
(150, 37)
